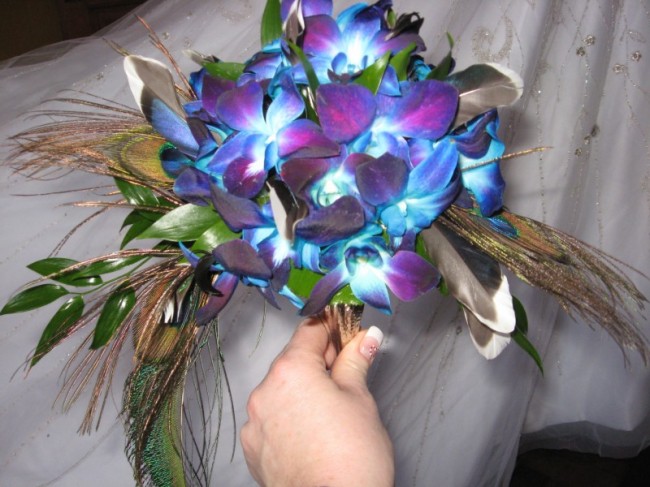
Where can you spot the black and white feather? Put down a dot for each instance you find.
(483, 87)
(476, 281)
(288, 210)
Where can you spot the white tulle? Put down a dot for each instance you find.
(455, 418)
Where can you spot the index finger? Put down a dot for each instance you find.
(312, 338)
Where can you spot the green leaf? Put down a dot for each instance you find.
(302, 281)
(136, 229)
(56, 329)
(226, 70)
(312, 80)
(271, 22)
(521, 320)
(441, 71)
(136, 195)
(521, 340)
(187, 222)
(346, 296)
(107, 266)
(33, 298)
(117, 307)
(371, 76)
(213, 236)
(53, 265)
(400, 61)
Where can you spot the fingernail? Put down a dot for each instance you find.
(371, 342)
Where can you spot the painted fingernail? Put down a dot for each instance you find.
(371, 342)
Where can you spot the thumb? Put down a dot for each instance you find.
(350, 369)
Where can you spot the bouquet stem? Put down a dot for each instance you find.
(343, 321)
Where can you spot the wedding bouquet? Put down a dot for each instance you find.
(334, 165)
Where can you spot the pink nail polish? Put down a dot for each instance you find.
(371, 342)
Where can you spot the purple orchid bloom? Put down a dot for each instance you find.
(409, 200)
(234, 261)
(368, 266)
(262, 139)
(477, 144)
(354, 41)
(376, 124)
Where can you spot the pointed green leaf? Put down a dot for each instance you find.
(302, 281)
(521, 320)
(400, 61)
(312, 80)
(137, 216)
(521, 340)
(136, 195)
(33, 298)
(213, 236)
(371, 76)
(271, 22)
(56, 329)
(107, 266)
(117, 307)
(136, 229)
(441, 71)
(53, 265)
(231, 71)
(187, 222)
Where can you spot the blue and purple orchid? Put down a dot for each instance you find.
(365, 144)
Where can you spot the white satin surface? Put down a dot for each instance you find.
(455, 418)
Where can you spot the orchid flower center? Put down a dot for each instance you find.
(328, 191)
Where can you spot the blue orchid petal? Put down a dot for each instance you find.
(286, 106)
(191, 257)
(409, 276)
(345, 111)
(394, 217)
(174, 162)
(436, 171)
(486, 185)
(267, 293)
(422, 211)
(244, 177)
(239, 258)
(325, 289)
(322, 37)
(425, 110)
(212, 89)
(389, 85)
(337, 221)
(238, 213)
(261, 66)
(348, 16)
(193, 186)
(382, 180)
(243, 145)
(304, 138)
(173, 127)
(241, 108)
(367, 285)
(383, 43)
(291, 296)
(226, 284)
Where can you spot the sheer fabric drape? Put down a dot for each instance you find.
(455, 419)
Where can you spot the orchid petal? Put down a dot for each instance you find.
(212, 89)
(173, 161)
(389, 85)
(286, 106)
(238, 213)
(345, 111)
(309, 7)
(239, 258)
(337, 221)
(299, 174)
(409, 276)
(322, 37)
(244, 177)
(370, 288)
(304, 138)
(382, 180)
(425, 110)
(243, 145)
(487, 185)
(225, 285)
(241, 108)
(193, 186)
(435, 172)
(325, 289)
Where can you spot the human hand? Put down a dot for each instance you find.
(312, 420)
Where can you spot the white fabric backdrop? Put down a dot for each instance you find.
(455, 419)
